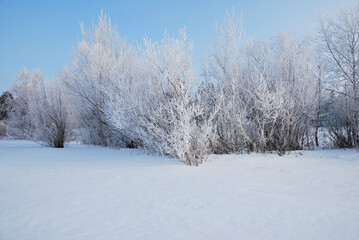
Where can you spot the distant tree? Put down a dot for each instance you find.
(3, 130)
(5, 98)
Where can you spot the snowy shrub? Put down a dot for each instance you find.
(159, 112)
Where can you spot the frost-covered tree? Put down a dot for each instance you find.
(339, 42)
(293, 80)
(100, 61)
(222, 71)
(24, 91)
(176, 119)
(262, 91)
(50, 113)
(39, 111)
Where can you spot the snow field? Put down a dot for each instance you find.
(83, 192)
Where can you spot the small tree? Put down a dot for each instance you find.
(51, 115)
(39, 111)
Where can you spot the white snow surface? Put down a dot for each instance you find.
(83, 192)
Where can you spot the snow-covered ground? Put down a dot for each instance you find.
(84, 192)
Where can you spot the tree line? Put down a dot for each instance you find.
(252, 95)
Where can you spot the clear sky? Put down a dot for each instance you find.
(41, 34)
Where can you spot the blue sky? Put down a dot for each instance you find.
(41, 34)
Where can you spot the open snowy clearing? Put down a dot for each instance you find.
(83, 192)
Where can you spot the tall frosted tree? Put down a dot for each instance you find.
(339, 44)
(222, 69)
(100, 61)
